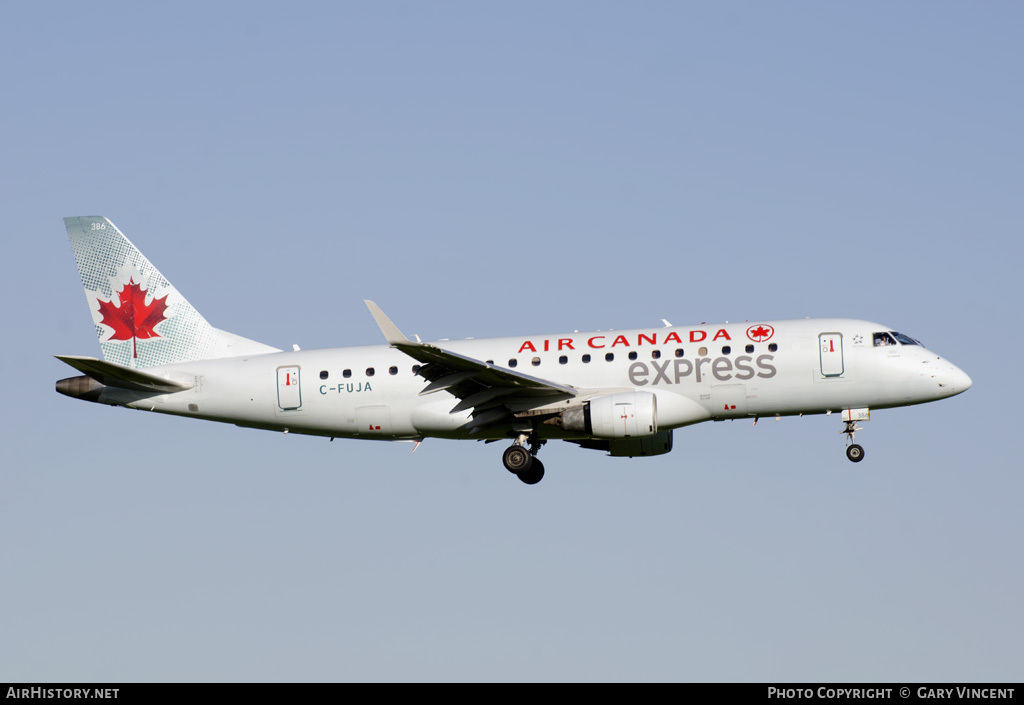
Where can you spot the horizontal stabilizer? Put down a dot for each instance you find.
(114, 375)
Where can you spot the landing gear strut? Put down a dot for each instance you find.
(853, 451)
(522, 462)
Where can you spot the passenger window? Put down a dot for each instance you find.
(393, 370)
(415, 369)
(323, 374)
(513, 362)
(369, 372)
(346, 374)
(563, 359)
(772, 347)
(632, 355)
(655, 354)
(679, 352)
(883, 339)
(535, 362)
(586, 357)
(749, 348)
(726, 349)
(609, 356)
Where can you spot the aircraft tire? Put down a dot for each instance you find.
(855, 453)
(533, 474)
(517, 459)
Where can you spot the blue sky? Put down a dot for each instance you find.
(503, 169)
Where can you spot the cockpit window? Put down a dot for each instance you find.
(905, 339)
(883, 338)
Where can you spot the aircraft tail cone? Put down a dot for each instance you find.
(80, 387)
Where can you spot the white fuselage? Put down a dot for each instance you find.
(697, 373)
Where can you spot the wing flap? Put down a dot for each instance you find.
(446, 382)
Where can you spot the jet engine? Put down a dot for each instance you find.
(624, 415)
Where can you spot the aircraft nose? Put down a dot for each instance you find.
(955, 380)
(961, 382)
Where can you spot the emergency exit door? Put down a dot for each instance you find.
(831, 346)
(289, 396)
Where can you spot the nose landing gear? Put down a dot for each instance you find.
(524, 463)
(853, 451)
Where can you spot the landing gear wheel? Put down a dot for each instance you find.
(517, 459)
(855, 453)
(534, 474)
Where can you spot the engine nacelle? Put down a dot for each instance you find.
(657, 444)
(625, 415)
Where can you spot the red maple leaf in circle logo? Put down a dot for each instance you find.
(760, 333)
(133, 319)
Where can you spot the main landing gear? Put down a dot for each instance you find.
(524, 463)
(853, 451)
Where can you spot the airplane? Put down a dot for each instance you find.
(619, 391)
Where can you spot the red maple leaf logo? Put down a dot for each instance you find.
(133, 319)
(760, 333)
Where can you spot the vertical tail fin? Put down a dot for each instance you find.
(142, 320)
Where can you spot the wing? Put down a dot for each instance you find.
(496, 396)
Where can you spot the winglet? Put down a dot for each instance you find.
(389, 329)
